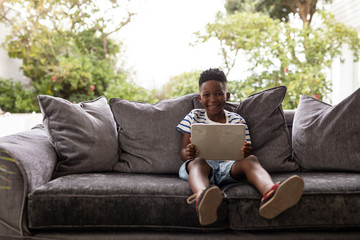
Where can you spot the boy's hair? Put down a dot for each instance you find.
(212, 74)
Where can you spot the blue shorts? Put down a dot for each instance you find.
(219, 175)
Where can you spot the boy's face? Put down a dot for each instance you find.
(213, 96)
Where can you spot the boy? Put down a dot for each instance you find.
(204, 176)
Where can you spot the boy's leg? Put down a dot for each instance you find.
(281, 196)
(207, 198)
(254, 173)
(276, 197)
(199, 172)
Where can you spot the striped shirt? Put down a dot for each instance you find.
(200, 116)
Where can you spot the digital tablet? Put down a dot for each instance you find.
(218, 141)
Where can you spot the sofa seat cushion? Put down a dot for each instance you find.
(115, 200)
(330, 201)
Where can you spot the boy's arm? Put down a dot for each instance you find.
(188, 150)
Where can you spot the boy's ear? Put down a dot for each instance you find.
(199, 97)
(227, 96)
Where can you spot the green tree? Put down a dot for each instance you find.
(122, 88)
(181, 85)
(15, 98)
(276, 9)
(188, 82)
(280, 53)
(233, 6)
(66, 45)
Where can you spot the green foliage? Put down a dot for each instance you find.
(283, 54)
(233, 6)
(188, 82)
(15, 98)
(66, 48)
(276, 9)
(120, 88)
(185, 83)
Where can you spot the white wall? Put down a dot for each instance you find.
(14, 123)
(9, 67)
(346, 11)
(345, 76)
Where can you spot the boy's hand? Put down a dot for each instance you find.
(191, 151)
(246, 149)
(188, 150)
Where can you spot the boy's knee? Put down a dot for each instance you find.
(198, 162)
(249, 163)
(252, 159)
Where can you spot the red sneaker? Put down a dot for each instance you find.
(281, 196)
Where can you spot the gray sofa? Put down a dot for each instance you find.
(99, 170)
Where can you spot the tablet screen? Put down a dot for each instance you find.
(218, 141)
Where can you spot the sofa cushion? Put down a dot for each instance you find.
(116, 200)
(84, 134)
(327, 137)
(143, 201)
(268, 129)
(148, 137)
(330, 201)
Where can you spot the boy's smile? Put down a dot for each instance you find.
(213, 96)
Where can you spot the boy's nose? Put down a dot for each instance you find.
(213, 98)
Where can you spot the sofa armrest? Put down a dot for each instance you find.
(31, 159)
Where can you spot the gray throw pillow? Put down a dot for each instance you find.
(327, 137)
(268, 130)
(148, 138)
(84, 134)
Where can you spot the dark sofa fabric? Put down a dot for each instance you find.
(326, 137)
(148, 138)
(117, 200)
(330, 200)
(83, 134)
(34, 162)
(181, 235)
(159, 202)
(114, 205)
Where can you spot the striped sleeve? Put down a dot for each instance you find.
(195, 116)
(185, 124)
(235, 118)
